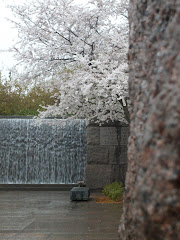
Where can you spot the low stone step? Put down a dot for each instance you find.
(37, 187)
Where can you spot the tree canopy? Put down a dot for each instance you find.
(80, 50)
(18, 100)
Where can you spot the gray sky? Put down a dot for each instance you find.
(8, 35)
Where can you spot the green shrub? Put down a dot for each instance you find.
(114, 191)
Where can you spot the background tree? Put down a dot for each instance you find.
(79, 50)
(16, 99)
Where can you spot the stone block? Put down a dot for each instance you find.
(124, 135)
(118, 154)
(118, 173)
(108, 136)
(93, 135)
(98, 176)
(79, 194)
(113, 154)
(115, 173)
(123, 156)
(97, 154)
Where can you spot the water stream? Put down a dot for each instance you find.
(49, 151)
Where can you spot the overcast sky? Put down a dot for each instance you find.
(8, 35)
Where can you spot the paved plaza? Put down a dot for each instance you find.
(49, 215)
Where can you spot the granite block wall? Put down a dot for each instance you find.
(106, 154)
(152, 199)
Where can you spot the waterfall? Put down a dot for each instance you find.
(48, 151)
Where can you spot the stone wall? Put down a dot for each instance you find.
(152, 199)
(106, 154)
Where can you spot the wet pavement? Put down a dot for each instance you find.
(49, 215)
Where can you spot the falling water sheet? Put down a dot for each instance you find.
(48, 151)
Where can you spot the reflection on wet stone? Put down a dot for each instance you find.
(43, 215)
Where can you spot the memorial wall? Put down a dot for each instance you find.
(106, 154)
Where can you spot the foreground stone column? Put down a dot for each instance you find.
(152, 199)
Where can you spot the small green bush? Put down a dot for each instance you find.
(114, 191)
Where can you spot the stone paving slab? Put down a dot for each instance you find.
(28, 215)
(30, 236)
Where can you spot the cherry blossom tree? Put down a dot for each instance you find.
(80, 50)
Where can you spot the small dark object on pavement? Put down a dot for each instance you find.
(79, 194)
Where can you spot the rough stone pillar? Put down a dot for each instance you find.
(152, 199)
